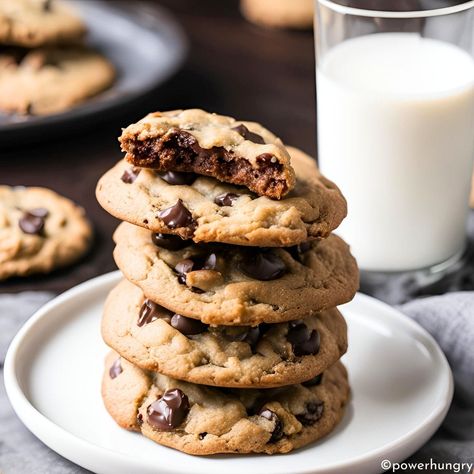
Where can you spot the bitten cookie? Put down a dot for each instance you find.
(268, 355)
(39, 231)
(209, 211)
(203, 420)
(50, 80)
(236, 152)
(296, 14)
(230, 285)
(33, 23)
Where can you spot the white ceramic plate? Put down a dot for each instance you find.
(402, 388)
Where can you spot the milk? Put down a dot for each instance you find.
(396, 133)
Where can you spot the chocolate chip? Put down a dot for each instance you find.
(130, 175)
(314, 381)
(169, 411)
(263, 265)
(47, 5)
(177, 216)
(250, 335)
(187, 326)
(149, 312)
(298, 250)
(115, 369)
(277, 432)
(210, 263)
(202, 435)
(140, 419)
(303, 340)
(39, 212)
(248, 135)
(31, 224)
(226, 199)
(169, 241)
(304, 246)
(183, 267)
(178, 178)
(313, 412)
(188, 265)
(267, 159)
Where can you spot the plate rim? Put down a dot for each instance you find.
(36, 422)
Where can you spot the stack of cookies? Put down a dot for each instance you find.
(44, 66)
(225, 332)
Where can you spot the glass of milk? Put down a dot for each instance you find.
(395, 92)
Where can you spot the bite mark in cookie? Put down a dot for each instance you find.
(195, 141)
(226, 213)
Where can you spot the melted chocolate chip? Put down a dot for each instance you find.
(303, 340)
(169, 411)
(298, 250)
(304, 246)
(226, 199)
(198, 263)
(314, 381)
(31, 224)
(267, 159)
(47, 5)
(248, 135)
(313, 412)
(187, 326)
(115, 369)
(251, 335)
(39, 212)
(178, 178)
(183, 267)
(277, 432)
(149, 312)
(177, 216)
(263, 265)
(140, 419)
(130, 175)
(210, 263)
(169, 241)
(202, 435)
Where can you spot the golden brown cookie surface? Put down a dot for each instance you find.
(39, 231)
(204, 420)
(207, 210)
(155, 339)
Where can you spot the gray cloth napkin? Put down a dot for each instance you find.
(449, 318)
(20, 451)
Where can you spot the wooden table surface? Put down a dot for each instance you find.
(233, 68)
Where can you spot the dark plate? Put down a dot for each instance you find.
(146, 46)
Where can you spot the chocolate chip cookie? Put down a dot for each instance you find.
(231, 285)
(39, 231)
(268, 355)
(207, 210)
(196, 141)
(50, 80)
(33, 23)
(203, 420)
(296, 14)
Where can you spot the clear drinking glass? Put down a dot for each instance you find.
(395, 93)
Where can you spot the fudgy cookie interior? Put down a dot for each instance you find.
(178, 150)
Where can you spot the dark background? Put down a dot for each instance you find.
(233, 67)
